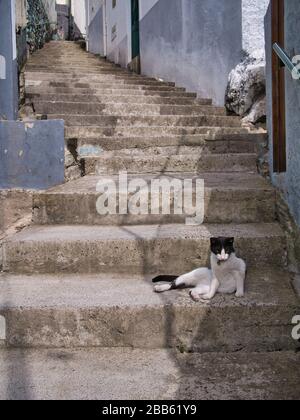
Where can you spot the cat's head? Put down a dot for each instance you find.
(222, 247)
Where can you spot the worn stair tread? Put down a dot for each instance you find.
(264, 287)
(228, 198)
(123, 311)
(120, 91)
(126, 374)
(216, 181)
(225, 133)
(129, 109)
(118, 99)
(106, 143)
(111, 233)
(146, 121)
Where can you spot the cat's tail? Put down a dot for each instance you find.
(168, 279)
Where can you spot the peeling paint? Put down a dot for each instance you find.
(2, 328)
(29, 126)
(2, 67)
(90, 151)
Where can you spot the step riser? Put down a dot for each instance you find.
(119, 92)
(96, 147)
(165, 164)
(227, 207)
(134, 256)
(114, 109)
(158, 121)
(79, 71)
(130, 80)
(194, 328)
(222, 133)
(118, 99)
(115, 86)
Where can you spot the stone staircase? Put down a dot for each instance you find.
(76, 286)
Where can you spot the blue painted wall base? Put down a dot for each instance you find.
(31, 154)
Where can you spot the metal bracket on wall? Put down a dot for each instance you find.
(286, 61)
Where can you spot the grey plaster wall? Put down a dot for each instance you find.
(288, 182)
(31, 154)
(193, 43)
(95, 27)
(8, 63)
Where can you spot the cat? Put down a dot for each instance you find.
(227, 274)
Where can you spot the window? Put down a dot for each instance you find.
(114, 3)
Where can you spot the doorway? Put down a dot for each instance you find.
(135, 35)
(278, 89)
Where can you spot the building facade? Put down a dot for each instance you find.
(283, 94)
(193, 43)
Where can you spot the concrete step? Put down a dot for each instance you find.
(147, 375)
(47, 78)
(51, 59)
(158, 87)
(81, 108)
(59, 67)
(113, 163)
(120, 91)
(213, 133)
(110, 77)
(124, 99)
(228, 198)
(123, 311)
(61, 63)
(173, 144)
(147, 121)
(77, 72)
(136, 249)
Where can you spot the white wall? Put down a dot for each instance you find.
(119, 41)
(78, 10)
(51, 11)
(95, 26)
(253, 12)
(21, 16)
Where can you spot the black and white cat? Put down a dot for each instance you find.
(227, 274)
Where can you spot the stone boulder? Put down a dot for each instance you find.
(257, 112)
(247, 86)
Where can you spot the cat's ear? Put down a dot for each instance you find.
(230, 241)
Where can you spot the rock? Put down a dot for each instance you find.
(69, 159)
(72, 173)
(27, 112)
(247, 84)
(258, 111)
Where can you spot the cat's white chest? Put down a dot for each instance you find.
(224, 272)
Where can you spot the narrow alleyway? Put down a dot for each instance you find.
(76, 279)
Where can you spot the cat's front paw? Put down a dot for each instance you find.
(195, 296)
(239, 294)
(161, 288)
(206, 297)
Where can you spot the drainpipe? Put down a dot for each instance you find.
(105, 28)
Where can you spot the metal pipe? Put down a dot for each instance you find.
(285, 59)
